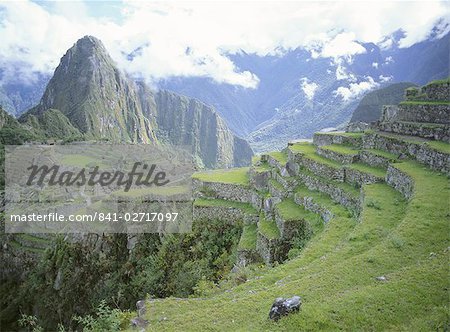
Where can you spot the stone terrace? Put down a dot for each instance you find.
(287, 197)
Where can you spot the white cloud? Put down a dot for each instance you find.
(375, 65)
(342, 45)
(341, 71)
(36, 36)
(356, 89)
(388, 60)
(308, 87)
(384, 79)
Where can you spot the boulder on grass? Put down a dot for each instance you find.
(283, 307)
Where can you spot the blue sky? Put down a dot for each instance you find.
(36, 34)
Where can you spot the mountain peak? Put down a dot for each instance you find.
(86, 47)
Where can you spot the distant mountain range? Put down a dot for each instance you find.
(89, 97)
(298, 94)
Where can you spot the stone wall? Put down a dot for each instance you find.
(358, 127)
(277, 190)
(320, 139)
(436, 160)
(389, 113)
(290, 228)
(227, 214)
(271, 250)
(360, 178)
(229, 191)
(437, 91)
(259, 179)
(309, 204)
(372, 159)
(339, 157)
(337, 194)
(430, 113)
(431, 131)
(322, 170)
(400, 181)
(247, 256)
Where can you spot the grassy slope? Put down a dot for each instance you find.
(341, 149)
(335, 274)
(234, 176)
(248, 237)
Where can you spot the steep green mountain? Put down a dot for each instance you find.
(88, 95)
(93, 94)
(369, 108)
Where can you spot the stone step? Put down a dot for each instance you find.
(230, 184)
(351, 139)
(269, 244)
(276, 189)
(229, 211)
(340, 192)
(339, 153)
(317, 202)
(303, 155)
(246, 251)
(440, 132)
(259, 175)
(276, 159)
(360, 174)
(377, 158)
(294, 220)
(434, 154)
(423, 111)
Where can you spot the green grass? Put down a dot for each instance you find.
(321, 199)
(335, 273)
(443, 81)
(33, 238)
(248, 237)
(80, 161)
(344, 134)
(376, 171)
(435, 145)
(309, 151)
(341, 149)
(291, 211)
(268, 228)
(281, 157)
(16, 245)
(262, 167)
(245, 207)
(154, 190)
(423, 124)
(439, 146)
(424, 102)
(275, 184)
(232, 176)
(382, 153)
(352, 190)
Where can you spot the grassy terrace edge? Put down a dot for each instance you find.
(231, 176)
(215, 202)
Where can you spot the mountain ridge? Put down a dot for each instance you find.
(100, 102)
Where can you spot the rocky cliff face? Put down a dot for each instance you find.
(100, 102)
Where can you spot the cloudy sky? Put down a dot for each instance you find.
(194, 38)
